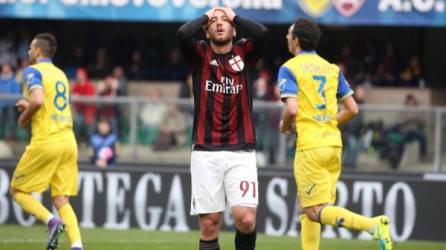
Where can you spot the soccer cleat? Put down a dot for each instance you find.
(76, 248)
(55, 230)
(382, 233)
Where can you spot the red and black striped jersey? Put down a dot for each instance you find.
(223, 89)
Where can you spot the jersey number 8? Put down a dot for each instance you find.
(61, 93)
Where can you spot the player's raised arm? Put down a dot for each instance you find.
(256, 31)
(187, 32)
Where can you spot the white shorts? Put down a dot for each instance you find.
(223, 176)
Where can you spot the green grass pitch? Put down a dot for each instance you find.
(13, 237)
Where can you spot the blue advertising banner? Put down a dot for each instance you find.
(337, 12)
(158, 198)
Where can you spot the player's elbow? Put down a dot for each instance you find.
(263, 32)
(292, 111)
(351, 106)
(181, 33)
(37, 102)
(291, 106)
(354, 111)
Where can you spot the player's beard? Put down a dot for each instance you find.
(32, 59)
(223, 42)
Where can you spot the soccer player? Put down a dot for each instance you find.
(311, 88)
(223, 161)
(50, 158)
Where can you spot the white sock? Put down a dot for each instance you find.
(77, 244)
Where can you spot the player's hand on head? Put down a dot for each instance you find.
(210, 13)
(21, 105)
(230, 14)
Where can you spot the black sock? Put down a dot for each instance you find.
(209, 244)
(245, 241)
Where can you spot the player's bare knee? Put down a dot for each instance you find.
(246, 223)
(12, 192)
(209, 230)
(209, 224)
(59, 201)
(312, 213)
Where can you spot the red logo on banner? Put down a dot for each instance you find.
(348, 8)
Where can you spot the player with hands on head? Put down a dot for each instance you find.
(223, 160)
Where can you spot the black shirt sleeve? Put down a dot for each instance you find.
(257, 37)
(186, 35)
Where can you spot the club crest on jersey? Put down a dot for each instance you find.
(237, 63)
(348, 8)
(314, 8)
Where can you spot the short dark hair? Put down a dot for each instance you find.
(307, 32)
(47, 43)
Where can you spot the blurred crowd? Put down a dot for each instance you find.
(367, 64)
(165, 126)
(406, 135)
(154, 56)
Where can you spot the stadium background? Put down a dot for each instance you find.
(392, 53)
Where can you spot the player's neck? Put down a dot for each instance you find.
(42, 58)
(297, 51)
(221, 49)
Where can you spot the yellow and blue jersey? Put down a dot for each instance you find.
(53, 120)
(318, 86)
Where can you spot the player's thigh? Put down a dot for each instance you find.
(335, 168)
(36, 168)
(241, 182)
(312, 177)
(207, 172)
(64, 181)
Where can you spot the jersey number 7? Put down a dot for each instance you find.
(321, 91)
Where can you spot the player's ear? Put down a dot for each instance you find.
(205, 29)
(296, 42)
(234, 32)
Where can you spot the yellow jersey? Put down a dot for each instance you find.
(318, 86)
(53, 120)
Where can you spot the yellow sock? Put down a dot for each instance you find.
(33, 206)
(341, 217)
(69, 218)
(310, 233)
